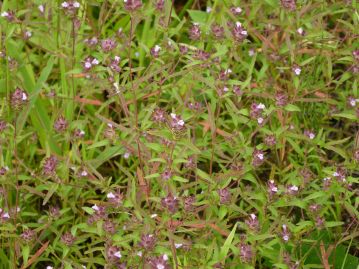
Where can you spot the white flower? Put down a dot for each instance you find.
(24, 96)
(297, 71)
(228, 71)
(253, 216)
(196, 24)
(244, 32)
(285, 237)
(178, 245)
(173, 116)
(300, 31)
(41, 8)
(261, 106)
(157, 48)
(84, 173)
(294, 188)
(95, 61)
(251, 52)
(139, 253)
(260, 121)
(353, 102)
(109, 125)
(260, 156)
(160, 266)
(82, 132)
(76, 4)
(49, 267)
(335, 174)
(238, 24)
(125, 1)
(153, 216)
(137, 54)
(88, 65)
(117, 254)
(117, 58)
(28, 34)
(238, 10)
(225, 89)
(110, 195)
(165, 257)
(65, 4)
(208, 9)
(4, 14)
(96, 208)
(126, 155)
(6, 215)
(311, 136)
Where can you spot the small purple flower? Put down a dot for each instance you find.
(28, 235)
(327, 182)
(109, 226)
(224, 196)
(159, 262)
(319, 222)
(217, 31)
(110, 132)
(340, 174)
(4, 216)
(296, 69)
(78, 134)
(225, 74)
(246, 253)
(289, 4)
(258, 157)
(272, 188)
(183, 49)
(70, 7)
(236, 10)
(195, 32)
(292, 189)
(27, 35)
(108, 44)
(201, 55)
(18, 99)
(170, 203)
(3, 171)
(256, 110)
(188, 203)
(159, 115)
(167, 174)
(132, 5)
(191, 163)
(9, 15)
(237, 90)
(314, 208)
(155, 51)
(281, 99)
(113, 253)
(177, 122)
(352, 102)
(196, 106)
(54, 211)
(89, 63)
(68, 239)
(159, 5)
(49, 167)
(356, 54)
(60, 124)
(114, 65)
(310, 134)
(252, 222)
(91, 42)
(238, 32)
(115, 198)
(3, 125)
(270, 140)
(301, 31)
(148, 241)
(285, 233)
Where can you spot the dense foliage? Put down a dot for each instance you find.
(179, 134)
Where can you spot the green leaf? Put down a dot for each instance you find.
(225, 248)
(292, 108)
(198, 16)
